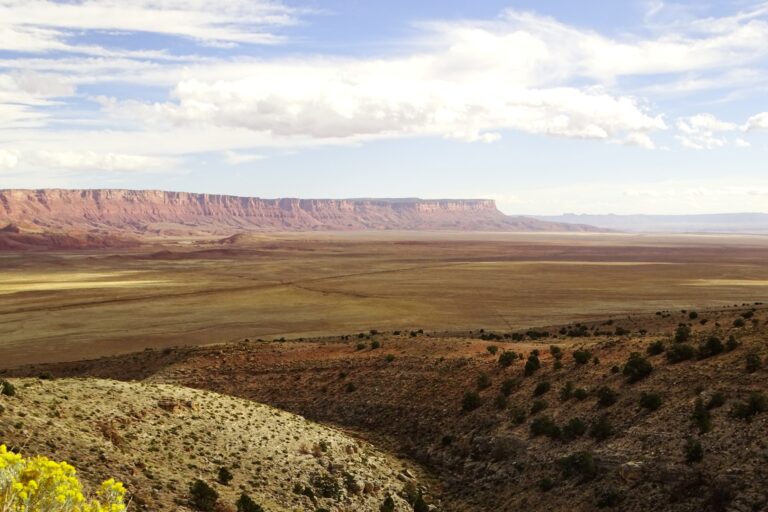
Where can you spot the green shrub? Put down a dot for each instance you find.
(492, 349)
(483, 381)
(509, 385)
(637, 367)
(500, 401)
(6, 388)
(246, 504)
(224, 476)
(471, 401)
(507, 358)
(712, 346)
(693, 315)
(601, 429)
(567, 392)
(680, 352)
(574, 428)
(580, 394)
(717, 400)
(755, 404)
(518, 415)
(375, 344)
(557, 352)
(390, 358)
(532, 365)
(203, 496)
(701, 417)
(693, 450)
(650, 401)
(682, 333)
(739, 322)
(753, 362)
(538, 406)
(606, 397)
(580, 464)
(542, 388)
(582, 356)
(732, 344)
(655, 348)
(361, 346)
(326, 486)
(388, 505)
(545, 426)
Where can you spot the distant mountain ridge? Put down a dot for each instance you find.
(153, 212)
(699, 223)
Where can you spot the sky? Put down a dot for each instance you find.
(548, 107)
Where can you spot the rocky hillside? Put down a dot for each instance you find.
(573, 421)
(159, 439)
(179, 213)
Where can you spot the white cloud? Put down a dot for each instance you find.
(46, 25)
(757, 122)
(236, 158)
(106, 162)
(705, 131)
(8, 159)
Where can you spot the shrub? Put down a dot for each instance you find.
(556, 352)
(507, 358)
(580, 394)
(682, 333)
(246, 504)
(655, 348)
(609, 498)
(753, 362)
(545, 426)
(546, 484)
(327, 486)
(601, 429)
(754, 405)
(471, 401)
(203, 496)
(693, 315)
(650, 401)
(492, 349)
(224, 476)
(538, 406)
(388, 505)
(7, 389)
(582, 356)
(711, 347)
(350, 387)
(518, 415)
(500, 401)
(693, 450)
(360, 346)
(701, 417)
(567, 392)
(581, 464)
(637, 367)
(483, 381)
(375, 344)
(574, 428)
(606, 397)
(739, 322)
(680, 352)
(36, 484)
(542, 388)
(731, 344)
(532, 365)
(717, 400)
(420, 505)
(390, 358)
(509, 385)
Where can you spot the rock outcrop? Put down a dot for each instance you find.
(152, 212)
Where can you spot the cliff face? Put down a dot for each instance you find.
(159, 212)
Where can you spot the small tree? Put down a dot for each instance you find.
(471, 401)
(246, 504)
(582, 356)
(712, 346)
(637, 367)
(682, 333)
(532, 365)
(542, 388)
(606, 397)
(507, 358)
(224, 476)
(650, 401)
(6, 388)
(680, 352)
(203, 496)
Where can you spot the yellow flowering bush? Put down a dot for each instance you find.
(42, 485)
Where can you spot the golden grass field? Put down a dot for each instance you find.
(57, 306)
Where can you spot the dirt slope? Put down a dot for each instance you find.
(408, 395)
(158, 439)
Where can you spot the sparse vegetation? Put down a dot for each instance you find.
(545, 426)
(542, 388)
(601, 429)
(582, 356)
(538, 406)
(680, 352)
(755, 404)
(682, 333)
(507, 358)
(637, 367)
(606, 396)
(650, 401)
(712, 346)
(471, 401)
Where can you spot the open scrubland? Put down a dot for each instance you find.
(59, 305)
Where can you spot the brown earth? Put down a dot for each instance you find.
(160, 213)
(407, 395)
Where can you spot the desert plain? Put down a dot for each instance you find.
(62, 306)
